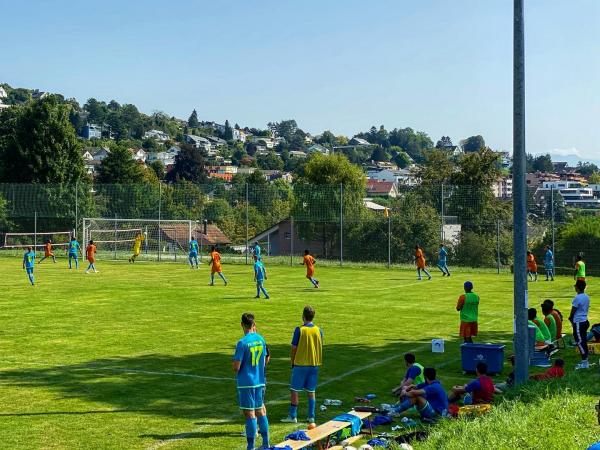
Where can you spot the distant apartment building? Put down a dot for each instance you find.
(503, 188)
(573, 193)
(156, 134)
(91, 131)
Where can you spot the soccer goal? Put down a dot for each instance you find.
(162, 240)
(37, 239)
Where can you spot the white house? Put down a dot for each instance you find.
(239, 135)
(297, 154)
(3, 93)
(139, 154)
(197, 141)
(358, 141)
(266, 141)
(167, 158)
(156, 134)
(573, 193)
(503, 188)
(317, 148)
(400, 176)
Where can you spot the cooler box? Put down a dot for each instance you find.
(491, 354)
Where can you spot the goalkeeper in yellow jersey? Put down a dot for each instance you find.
(137, 247)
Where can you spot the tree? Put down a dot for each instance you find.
(285, 129)
(38, 144)
(270, 161)
(401, 159)
(542, 163)
(587, 168)
(189, 165)
(159, 169)
(120, 168)
(444, 143)
(228, 133)
(472, 144)
(436, 169)
(193, 120)
(327, 138)
(594, 178)
(379, 154)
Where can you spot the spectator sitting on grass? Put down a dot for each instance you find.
(532, 316)
(429, 398)
(510, 380)
(480, 390)
(413, 376)
(594, 333)
(556, 371)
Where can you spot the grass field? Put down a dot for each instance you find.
(139, 356)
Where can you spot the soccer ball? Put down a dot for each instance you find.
(365, 447)
(405, 446)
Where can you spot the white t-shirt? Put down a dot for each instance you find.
(582, 303)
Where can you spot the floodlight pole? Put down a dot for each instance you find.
(521, 346)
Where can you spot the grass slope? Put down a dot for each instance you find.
(139, 356)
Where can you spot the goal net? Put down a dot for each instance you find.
(161, 240)
(23, 240)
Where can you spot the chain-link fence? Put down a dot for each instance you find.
(336, 223)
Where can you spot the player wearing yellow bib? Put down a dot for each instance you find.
(137, 247)
(306, 358)
(579, 269)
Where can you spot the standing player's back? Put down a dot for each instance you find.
(251, 351)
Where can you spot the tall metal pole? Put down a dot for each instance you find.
(341, 224)
(159, 217)
(520, 199)
(498, 243)
(35, 231)
(77, 207)
(115, 239)
(389, 239)
(247, 225)
(292, 241)
(553, 224)
(442, 221)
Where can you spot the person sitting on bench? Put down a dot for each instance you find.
(550, 322)
(429, 397)
(594, 333)
(480, 390)
(540, 337)
(556, 371)
(414, 375)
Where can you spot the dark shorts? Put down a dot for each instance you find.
(468, 329)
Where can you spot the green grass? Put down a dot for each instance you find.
(139, 356)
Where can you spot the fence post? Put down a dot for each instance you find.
(292, 241)
(389, 239)
(341, 224)
(34, 231)
(159, 217)
(77, 209)
(442, 221)
(247, 224)
(498, 243)
(552, 220)
(115, 240)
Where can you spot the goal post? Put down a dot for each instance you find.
(162, 239)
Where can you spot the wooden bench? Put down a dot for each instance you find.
(350, 440)
(323, 432)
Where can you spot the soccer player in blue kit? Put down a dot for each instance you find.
(260, 275)
(29, 264)
(249, 363)
(549, 263)
(193, 256)
(74, 251)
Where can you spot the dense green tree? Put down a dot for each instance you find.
(38, 144)
(97, 111)
(472, 144)
(587, 168)
(285, 129)
(400, 157)
(189, 165)
(379, 154)
(228, 133)
(542, 163)
(436, 168)
(444, 143)
(270, 161)
(120, 168)
(327, 138)
(594, 178)
(158, 168)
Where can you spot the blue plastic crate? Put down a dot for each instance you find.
(491, 354)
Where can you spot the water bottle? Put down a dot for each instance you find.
(332, 402)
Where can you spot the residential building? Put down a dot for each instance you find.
(139, 154)
(297, 154)
(318, 148)
(38, 95)
(376, 188)
(356, 141)
(198, 142)
(216, 141)
(157, 134)
(95, 153)
(265, 141)
(369, 204)
(503, 188)
(534, 180)
(505, 160)
(91, 131)
(400, 176)
(3, 93)
(573, 193)
(239, 135)
(167, 158)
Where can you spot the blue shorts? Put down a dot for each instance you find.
(251, 398)
(29, 269)
(549, 266)
(428, 412)
(193, 255)
(73, 255)
(304, 378)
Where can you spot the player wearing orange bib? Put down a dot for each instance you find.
(90, 254)
(215, 266)
(309, 262)
(420, 262)
(48, 252)
(532, 268)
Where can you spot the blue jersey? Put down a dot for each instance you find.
(259, 271)
(193, 246)
(29, 259)
(435, 395)
(73, 247)
(251, 352)
(443, 254)
(549, 258)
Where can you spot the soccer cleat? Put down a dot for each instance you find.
(310, 420)
(585, 364)
(429, 277)
(289, 419)
(257, 296)
(267, 297)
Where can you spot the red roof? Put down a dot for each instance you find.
(179, 233)
(379, 187)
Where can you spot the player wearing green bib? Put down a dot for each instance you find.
(468, 307)
(532, 315)
(579, 269)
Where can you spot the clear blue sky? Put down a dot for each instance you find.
(444, 67)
